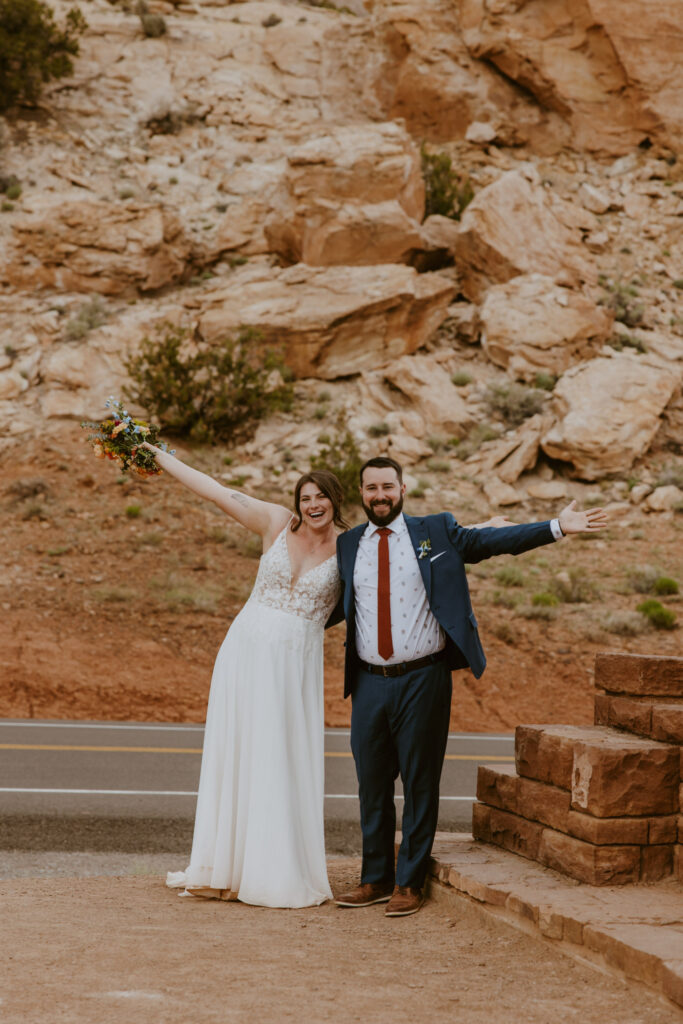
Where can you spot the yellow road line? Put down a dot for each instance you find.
(198, 750)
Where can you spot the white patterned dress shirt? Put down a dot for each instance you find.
(415, 631)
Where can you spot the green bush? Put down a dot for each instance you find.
(624, 623)
(133, 511)
(91, 315)
(619, 299)
(545, 381)
(13, 191)
(340, 455)
(622, 341)
(379, 430)
(510, 576)
(642, 579)
(209, 392)
(153, 25)
(502, 600)
(34, 49)
(514, 402)
(657, 614)
(461, 379)
(665, 585)
(446, 192)
(545, 600)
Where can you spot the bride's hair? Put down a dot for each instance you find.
(330, 487)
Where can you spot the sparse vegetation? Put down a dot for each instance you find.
(501, 599)
(655, 612)
(671, 475)
(340, 454)
(438, 465)
(573, 587)
(447, 192)
(624, 623)
(513, 402)
(133, 511)
(379, 430)
(622, 341)
(510, 576)
(477, 436)
(13, 191)
(619, 298)
(208, 391)
(92, 314)
(153, 25)
(545, 381)
(461, 379)
(545, 600)
(34, 49)
(665, 585)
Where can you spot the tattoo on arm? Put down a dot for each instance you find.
(241, 498)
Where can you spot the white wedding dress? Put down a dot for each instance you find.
(259, 823)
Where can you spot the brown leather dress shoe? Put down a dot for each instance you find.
(404, 901)
(365, 895)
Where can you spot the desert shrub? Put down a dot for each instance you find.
(502, 600)
(539, 611)
(665, 585)
(642, 579)
(379, 430)
(438, 465)
(573, 587)
(545, 381)
(510, 576)
(461, 379)
(624, 623)
(477, 436)
(34, 49)
(619, 298)
(622, 341)
(153, 25)
(671, 474)
(513, 402)
(13, 191)
(133, 511)
(446, 191)
(92, 314)
(505, 632)
(418, 491)
(209, 392)
(657, 614)
(341, 456)
(31, 487)
(545, 600)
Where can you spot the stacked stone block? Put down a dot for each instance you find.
(599, 803)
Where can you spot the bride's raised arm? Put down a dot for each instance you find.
(263, 517)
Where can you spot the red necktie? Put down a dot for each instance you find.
(384, 643)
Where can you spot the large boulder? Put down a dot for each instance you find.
(330, 321)
(510, 228)
(600, 64)
(108, 248)
(532, 325)
(608, 411)
(353, 196)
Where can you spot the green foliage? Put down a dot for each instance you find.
(510, 576)
(657, 614)
(340, 455)
(446, 192)
(619, 298)
(573, 587)
(622, 341)
(209, 392)
(545, 381)
(133, 511)
(678, 283)
(478, 435)
(513, 402)
(92, 314)
(34, 49)
(379, 430)
(502, 600)
(461, 379)
(153, 25)
(624, 623)
(13, 191)
(665, 585)
(545, 599)
(438, 465)
(643, 578)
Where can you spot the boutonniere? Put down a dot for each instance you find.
(424, 548)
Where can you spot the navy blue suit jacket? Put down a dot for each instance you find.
(449, 546)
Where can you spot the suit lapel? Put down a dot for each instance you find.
(418, 531)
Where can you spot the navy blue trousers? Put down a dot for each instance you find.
(399, 726)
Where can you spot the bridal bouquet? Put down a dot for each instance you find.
(120, 438)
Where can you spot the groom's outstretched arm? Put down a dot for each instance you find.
(477, 544)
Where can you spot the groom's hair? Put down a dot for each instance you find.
(328, 484)
(382, 462)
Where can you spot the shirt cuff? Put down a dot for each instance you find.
(556, 529)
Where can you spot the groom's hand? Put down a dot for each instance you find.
(590, 521)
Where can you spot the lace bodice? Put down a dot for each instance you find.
(314, 594)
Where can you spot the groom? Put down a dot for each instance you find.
(409, 623)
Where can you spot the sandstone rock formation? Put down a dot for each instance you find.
(532, 325)
(608, 412)
(511, 228)
(355, 196)
(333, 321)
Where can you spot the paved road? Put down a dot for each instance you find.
(132, 786)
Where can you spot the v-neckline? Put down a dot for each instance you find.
(303, 575)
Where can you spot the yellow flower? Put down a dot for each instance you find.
(117, 430)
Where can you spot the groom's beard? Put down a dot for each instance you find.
(386, 516)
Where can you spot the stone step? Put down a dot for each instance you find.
(587, 862)
(499, 786)
(608, 773)
(644, 716)
(639, 675)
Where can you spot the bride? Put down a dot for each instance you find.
(259, 831)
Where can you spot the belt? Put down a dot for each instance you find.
(403, 666)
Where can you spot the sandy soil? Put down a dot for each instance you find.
(115, 595)
(117, 950)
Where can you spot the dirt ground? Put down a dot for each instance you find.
(116, 950)
(115, 594)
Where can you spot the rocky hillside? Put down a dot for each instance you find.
(261, 164)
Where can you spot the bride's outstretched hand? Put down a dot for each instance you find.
(590, 521)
